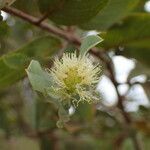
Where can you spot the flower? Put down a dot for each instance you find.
(74, 78)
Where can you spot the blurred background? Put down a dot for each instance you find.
(27, 122)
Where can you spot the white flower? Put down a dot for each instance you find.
(75, 78)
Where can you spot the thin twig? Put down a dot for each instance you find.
(43, 18)
(127, 117)
(51, 11)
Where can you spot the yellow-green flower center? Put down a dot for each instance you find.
(72, 79)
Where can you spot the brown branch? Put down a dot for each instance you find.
(45, 26)
(76, 41)
(120, 98)
(127, 117)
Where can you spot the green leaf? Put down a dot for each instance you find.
(15, 60)
(127, 144)
(39, 79)
(71, 12)
(112, 13)
(12, 65)
(84, 112)
(131, 31)
(29, 6)
(89, 42)
(4, 30)
(44, 113)
(140, 54)
(133, 35)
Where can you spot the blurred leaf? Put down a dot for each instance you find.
(4, 3)
(24, 143)
(40, 115)
(88, 43)
(39, 79)
(12, 65)
(86, 142)
(143, 126)
(127, 144)
(141, 55)
(133, 35)
(28, 6)
(85, 112)
(15, 61)
(44, 115)
(19, 143)
(112, 13)
(131, 31)
(4, 30)
(4, 122)
(70, 12)
(46, 143)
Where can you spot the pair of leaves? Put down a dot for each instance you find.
(12, 65)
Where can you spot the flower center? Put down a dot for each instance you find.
(72, 79)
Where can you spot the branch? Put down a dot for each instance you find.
(51, 29)
(45, 26)
(127, 117)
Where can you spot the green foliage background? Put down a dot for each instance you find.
(26, 121)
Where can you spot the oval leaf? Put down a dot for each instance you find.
(12, 65)
(39, 79)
